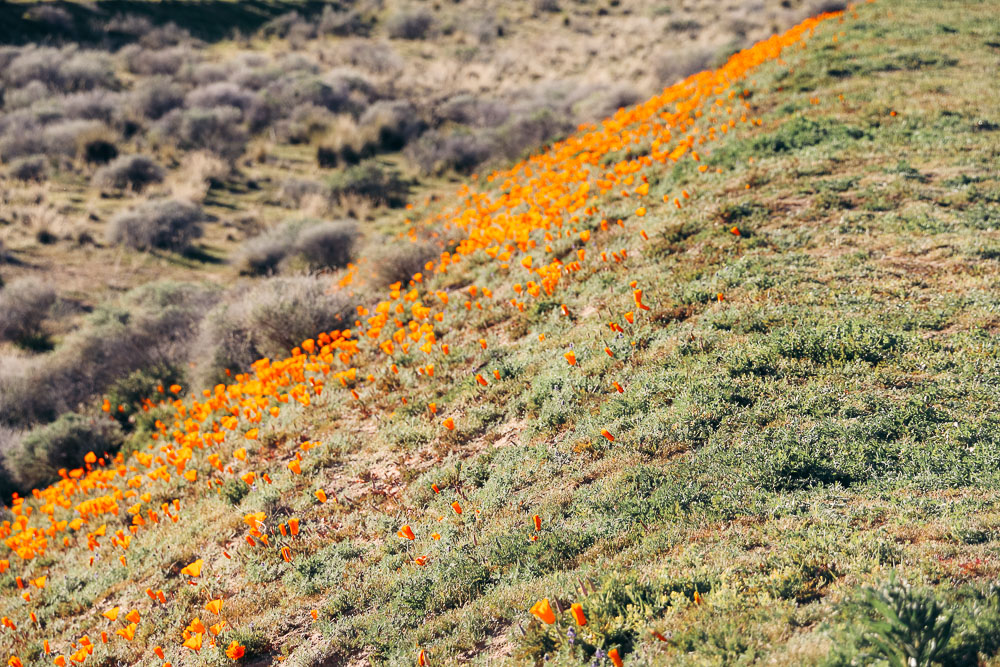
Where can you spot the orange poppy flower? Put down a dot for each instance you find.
(194, 642)
(293, 526)
(542, 610)
(570, 358)
(235, 651)
(295, 467)
(455, 506)
(449, 424)
(578, 615)
(214, 606)
(607, 434)
(406, 532)
(538, 522)
(194, 569)
(286, 553)
(111, 614)
(614, 657)
(321, 495)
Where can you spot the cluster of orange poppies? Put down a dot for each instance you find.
(513, 220)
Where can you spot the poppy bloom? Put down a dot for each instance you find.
(607, 350)
(618, 387)
(293, 526)
(194, 569)
(542, 610)
(570, 358)
(214, 606)
(577, 611)
(637, 296)
(111, 614)
(295, 467)
(614, 657)
(630, 317)
(449, 424)
(607, 434)
(321, 495)
(735, 231)
(435, 536)
(481, 380)
(455, 506)
(132, 616)
(286, 553)
(406, 532)
(538, 522)
(314, 613)
(422, 658)
(235, 651)
(194, 642)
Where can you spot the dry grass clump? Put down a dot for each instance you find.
(159, 224)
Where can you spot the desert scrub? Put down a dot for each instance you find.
(34, 168)
(135, 172)
(24, 306)
(159, 224)
(371, 180)
(266, 320)
(315, 244)
(61, 444)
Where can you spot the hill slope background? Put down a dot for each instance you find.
(806, 408)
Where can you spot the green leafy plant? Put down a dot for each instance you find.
(911, 630)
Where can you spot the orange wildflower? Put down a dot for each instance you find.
(542, 610)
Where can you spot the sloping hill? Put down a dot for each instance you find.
(708, 370)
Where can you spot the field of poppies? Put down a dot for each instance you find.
(710, 381)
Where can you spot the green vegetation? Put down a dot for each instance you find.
(805, 471)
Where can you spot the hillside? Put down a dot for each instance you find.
(720, 369)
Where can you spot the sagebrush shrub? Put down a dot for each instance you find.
(370, 180)
(327, 244)
(400, 262)
(438, 151)
(61, 444)
(266, 320)
(392, 123)
(220, 94)
(262, 254)
(146, 328)
(156, 97)
(162, 224)
(33, 168)
(24, 305)
(65, 138)
(129, 171)
(217, 130)
(410, 24)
